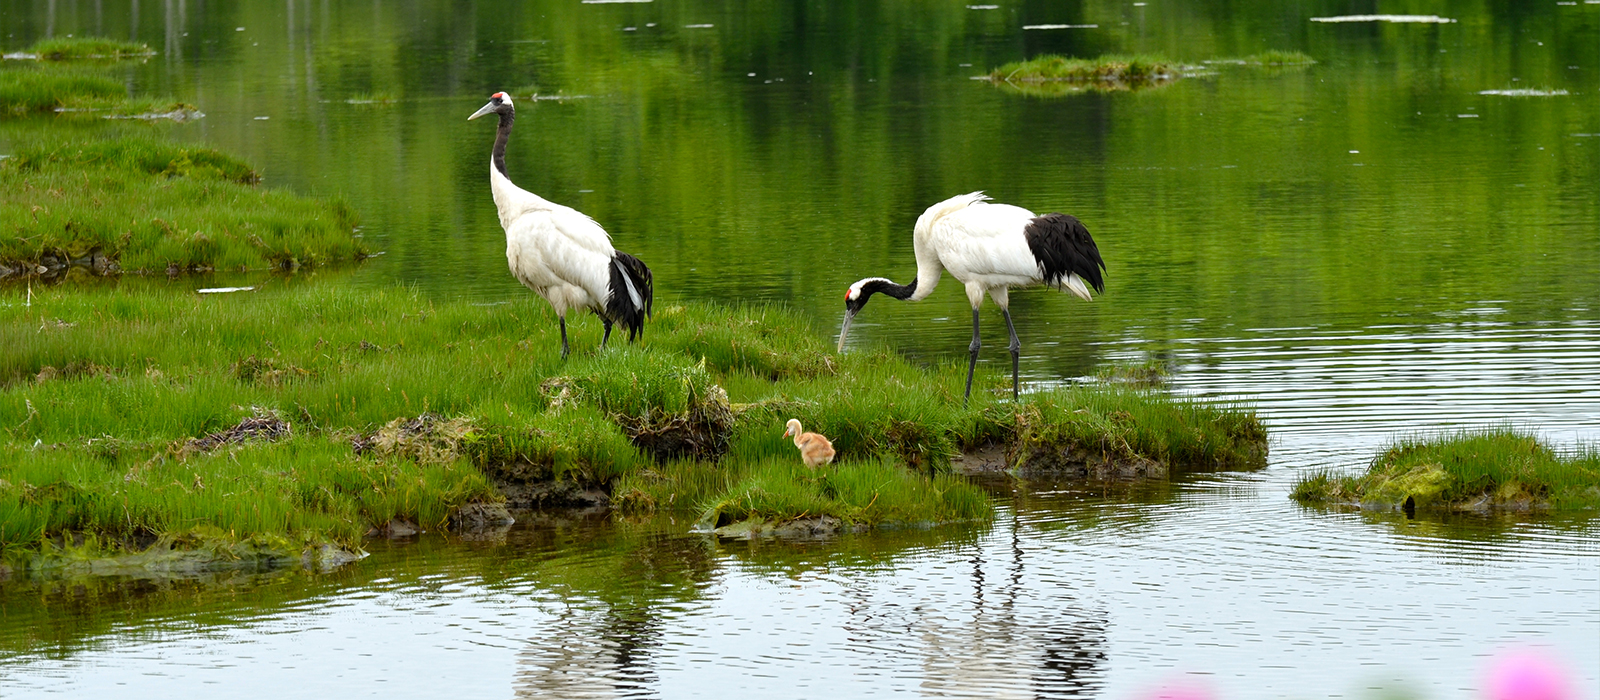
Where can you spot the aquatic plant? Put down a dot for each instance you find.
(1055, 75)
(1469, 470)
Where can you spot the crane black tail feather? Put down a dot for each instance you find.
(632, 293)
(1062, 246)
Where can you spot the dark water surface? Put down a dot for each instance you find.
(1364, 249)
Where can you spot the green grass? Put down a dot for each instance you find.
(154, 206)
(88, 48)
(30, 90)
(1108, 72)
(97, 382)
(1478, 470)
(305, 489)
(775, 490)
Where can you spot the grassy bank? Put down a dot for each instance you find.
(150, 206)
(1500, 469)
(397, 407)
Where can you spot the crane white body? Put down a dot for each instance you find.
(981, 244)
(561, 254)
(556, 251)
(990, 248)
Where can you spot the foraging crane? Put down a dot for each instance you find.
(990, 248)
(561, 254)
(815, 450)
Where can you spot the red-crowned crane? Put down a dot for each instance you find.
(990, 248)
(561, 254)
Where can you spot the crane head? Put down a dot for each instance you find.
(857, 295)
(499, 103)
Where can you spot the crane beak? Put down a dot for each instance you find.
(845, 330)
(482, 111)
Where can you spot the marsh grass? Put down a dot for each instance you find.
(863, 493)
(31, 90)
(154, 206)
(441, 396)
(1051, 75)
(88, 48)
(306, 489)
(1500, 468)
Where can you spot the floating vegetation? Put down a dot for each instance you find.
(84, 48)
(1056, 75)
(1525, 92)
(1399, 19)
(1476, 471)
(136, 205)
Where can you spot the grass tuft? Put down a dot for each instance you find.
(88, 48)
(1054, 75)
(1472, 470)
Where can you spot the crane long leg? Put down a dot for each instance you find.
(1016, 351)
(972, 363)
(564, 348)
(607, 336)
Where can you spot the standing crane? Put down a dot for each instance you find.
(990, 248)
(561, 254)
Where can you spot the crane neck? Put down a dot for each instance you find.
(899, 291)
(502, 135)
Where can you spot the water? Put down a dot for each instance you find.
(1364, 249)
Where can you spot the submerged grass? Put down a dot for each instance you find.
(400, 406)
(1051, 75)
(153, 206)
(1483, 470)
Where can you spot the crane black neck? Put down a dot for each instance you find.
(883, 286)
(500, 138)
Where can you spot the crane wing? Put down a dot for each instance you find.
(985, 240)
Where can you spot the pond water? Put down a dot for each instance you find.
(1367, 248)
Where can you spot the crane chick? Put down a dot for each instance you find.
(815, 450)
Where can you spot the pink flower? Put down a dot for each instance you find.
(1527, 675)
